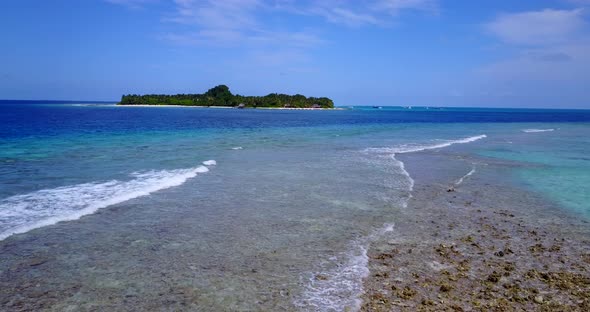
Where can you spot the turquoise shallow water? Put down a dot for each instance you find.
(128, 199)
(556, 162)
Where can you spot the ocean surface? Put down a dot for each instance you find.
(247, 209)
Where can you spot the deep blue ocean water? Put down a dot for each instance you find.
(309, 186)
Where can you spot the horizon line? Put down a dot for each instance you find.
(340, 106)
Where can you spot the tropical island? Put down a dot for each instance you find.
(220, 96)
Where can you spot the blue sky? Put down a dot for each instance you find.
(527, 53)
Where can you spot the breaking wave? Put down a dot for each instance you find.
(412, 148)
(340, 288)
(22, 213)
(466, 176)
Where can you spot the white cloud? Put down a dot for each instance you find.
(551, 54)
(205, 36)
(345, 16)
(357, 13)
(544, 27)
(250, 26)
(226, 14)
(561, 63)
(395, 6)
(233, 23)
(241, 25)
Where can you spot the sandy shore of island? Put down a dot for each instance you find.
(232, 107)
(191, 106)
(479, 246)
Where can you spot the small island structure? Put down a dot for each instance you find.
(220, 96)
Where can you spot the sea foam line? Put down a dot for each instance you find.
(409, 178)
(342, 288)
(22, 213)
(412, 148)
(466, 176)
(537, 130)
(339, 288)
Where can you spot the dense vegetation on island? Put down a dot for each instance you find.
(221, 96)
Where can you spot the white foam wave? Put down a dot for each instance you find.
(237, 148)
(22, 213)
(209, 163)
(465, 176)
(411, 181)
(406, 173)
(537, 130)
(340, 288)
(412, 148)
